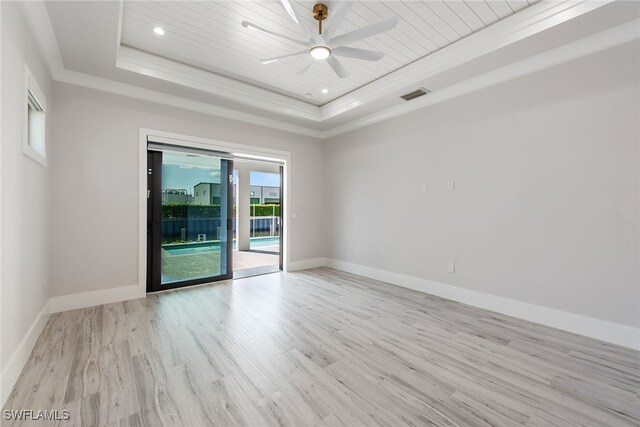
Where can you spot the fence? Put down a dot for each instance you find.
(261, 226)
(178, 229)
(192, 229)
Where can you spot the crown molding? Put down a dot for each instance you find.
(38, 18)
(40, 23)
(525, 23)
(151, 65)
(577, 49)
(132, 91)
(536, 20)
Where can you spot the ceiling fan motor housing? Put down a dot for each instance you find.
(320, 13)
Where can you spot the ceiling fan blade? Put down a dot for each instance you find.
(288, 7)
(277, 58)
(337, 66)
(261, 29)
(304, 70)
(364, 32)
(364, 54)
(336, 16)
(292, 10)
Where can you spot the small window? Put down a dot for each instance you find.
(33, 126)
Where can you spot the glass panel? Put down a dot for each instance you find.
(35, 120)
(194, 217)
(265, 213)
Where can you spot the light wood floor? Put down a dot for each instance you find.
(244, 260)
(320, 348)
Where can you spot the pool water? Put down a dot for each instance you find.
(206, 247)
(262, 242)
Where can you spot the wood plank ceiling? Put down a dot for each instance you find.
(209, 35)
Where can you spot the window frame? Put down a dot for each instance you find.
(31, 87)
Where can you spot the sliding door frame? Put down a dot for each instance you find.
(239, 151)
(281, 220)
(154, 225)
(154, 219)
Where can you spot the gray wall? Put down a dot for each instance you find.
(25, 187)
(95, 225)
(545, 208)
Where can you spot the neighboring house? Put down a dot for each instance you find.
(264, 195)
(206, 193)
(176, 196)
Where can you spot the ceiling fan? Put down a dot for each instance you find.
(322, 45)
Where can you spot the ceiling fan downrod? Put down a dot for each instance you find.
(320, 13)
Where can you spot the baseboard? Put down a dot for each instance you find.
(16, 363)
(615, 333)
(90, 299)
(19, 358)
(306, 264)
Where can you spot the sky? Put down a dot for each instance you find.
(264, 179)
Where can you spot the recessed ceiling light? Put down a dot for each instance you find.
(325, 91)
(319, 52)
(307, 95)
(159, 31)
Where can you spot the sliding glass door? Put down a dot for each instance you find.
(189, 218)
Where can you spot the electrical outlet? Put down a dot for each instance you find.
(451, 186)
(452, 268)
(423, 188)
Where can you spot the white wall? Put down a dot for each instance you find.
(25, 202)
(94, 215)
(545, 207)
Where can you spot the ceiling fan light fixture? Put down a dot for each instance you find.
(320, 52)
(324, 46)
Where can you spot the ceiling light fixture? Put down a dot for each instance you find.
(320, 13)
(159, 31)
(320, 52)
(325, 91)
(322, 45)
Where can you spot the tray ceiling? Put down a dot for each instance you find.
(208, 35)
(86, 45)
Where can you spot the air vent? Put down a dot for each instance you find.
(415, 94)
